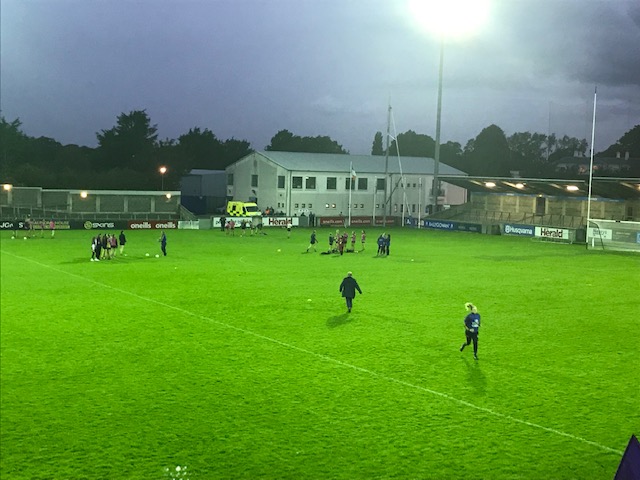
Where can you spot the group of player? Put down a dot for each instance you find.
(384, 242)
(338, 242)
(229, 227)
(105, 247)
(30, 225)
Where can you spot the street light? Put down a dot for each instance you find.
(162, 171)
(446, 19)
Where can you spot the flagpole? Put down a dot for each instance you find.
(350, 189)
(593, 135)
(375, 191)
(419, 200)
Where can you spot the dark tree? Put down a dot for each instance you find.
(377, 148)
(13, 145)
(285, 141)
(232, 151)
(629, 142)
(489, 153)
(130, 143)
(412, 144)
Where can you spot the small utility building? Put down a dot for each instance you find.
(327, 184)
(203, 191)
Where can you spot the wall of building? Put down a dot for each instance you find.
(307, 192)
(567, 206)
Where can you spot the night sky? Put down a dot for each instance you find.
(249, 68)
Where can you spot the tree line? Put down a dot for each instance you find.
(129, 154)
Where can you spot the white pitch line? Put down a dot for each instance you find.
(333, 360)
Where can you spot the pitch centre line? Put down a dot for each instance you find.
(372, 373)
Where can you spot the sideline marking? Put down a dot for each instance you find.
(330, 359)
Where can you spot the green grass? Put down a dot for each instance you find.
(215, 359)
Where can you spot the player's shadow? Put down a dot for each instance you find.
(475, 377)
(339, 320)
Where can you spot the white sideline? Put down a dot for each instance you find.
(330, 359)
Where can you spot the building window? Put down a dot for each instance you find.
(413, 208)
(230, 179)
(377, 205)
(310, 183)
(254, 180)
(395, 207)
(363, 183)
(326, 205)
(295, 205)
(303, 205)
(332, 183)
(349, 184)
(280, 181)
(355, 205)
(380, 183)
(310, 206)
(296, 182)
(333, 205)
(362, 205)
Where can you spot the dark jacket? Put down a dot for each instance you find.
(349, 286)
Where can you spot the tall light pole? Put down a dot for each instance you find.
(446, 19)
(162, 171)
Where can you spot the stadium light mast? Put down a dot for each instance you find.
(162, 171)
(446, 19)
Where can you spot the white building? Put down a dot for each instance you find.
(296, 183)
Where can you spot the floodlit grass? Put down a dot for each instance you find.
(237, 360)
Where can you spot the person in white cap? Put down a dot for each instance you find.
(348, 288)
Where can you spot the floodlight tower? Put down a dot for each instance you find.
(446, 19)
(162, 171)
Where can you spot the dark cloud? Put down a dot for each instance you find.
(248, 68)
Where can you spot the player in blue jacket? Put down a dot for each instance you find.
(471, 327)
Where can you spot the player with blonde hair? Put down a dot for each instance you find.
(471, 327)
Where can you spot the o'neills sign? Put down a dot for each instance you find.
(152, 225)
(359, 220)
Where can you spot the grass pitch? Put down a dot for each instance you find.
(235, 358)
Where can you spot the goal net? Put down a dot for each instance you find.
(613, 235)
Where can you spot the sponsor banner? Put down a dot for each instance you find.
(98, 225)
(380, 221)
(37, 225)
(152, 225)
(602, 233)
(523, 230)
(332, 221)
(189, 224)
(454, 226)
(439, 224)
(624, 236)
(216, 221)
(548, 232)
(279, 221)
(469, 227)
(360, 220)
(355, 221)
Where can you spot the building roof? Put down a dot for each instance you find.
(362, 164)
(202, 171)
(604, 187)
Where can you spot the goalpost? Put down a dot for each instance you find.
(608, 234)
(613, 235)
